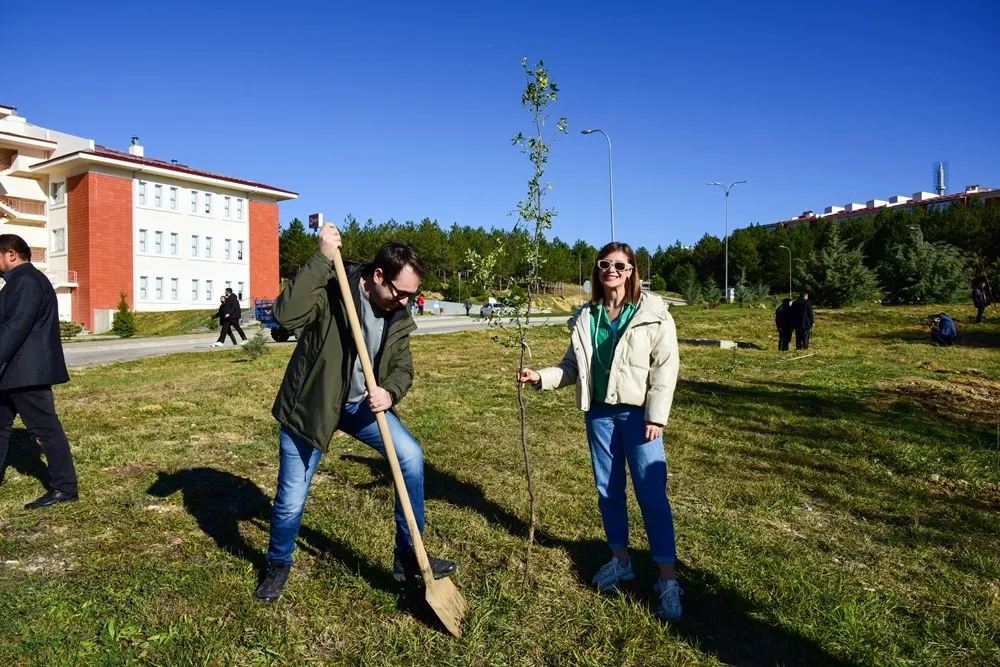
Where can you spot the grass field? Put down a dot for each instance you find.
(838, 509)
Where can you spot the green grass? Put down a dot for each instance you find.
(836, 509)
(174, 323)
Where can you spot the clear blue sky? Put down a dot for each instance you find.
(392, 110)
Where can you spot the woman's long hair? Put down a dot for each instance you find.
(633, 287)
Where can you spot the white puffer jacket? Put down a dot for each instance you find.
(645, 365)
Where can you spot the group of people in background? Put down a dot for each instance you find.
(229, 315)
(794, 317)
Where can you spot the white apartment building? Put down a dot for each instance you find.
(101, 222)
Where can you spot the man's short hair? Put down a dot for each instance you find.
(14, 242)
(229, 290)
(394, 257)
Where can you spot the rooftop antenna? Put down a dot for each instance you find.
(940, 181)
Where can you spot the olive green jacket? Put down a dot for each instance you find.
(316, 382)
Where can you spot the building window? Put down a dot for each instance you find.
(142, 287)
(208, 290)
(58, 240)
(158, 242)
(174, 288)
(173, 243)
(227, 206)
(142, 240)
(239, 250)
(194, 201)
(239, 209)
(194, 290)
(159, 289)
(229, 284)
(194, 246)
(173, 199)
(229, 249)
(208, 203)
(57, 193)
(239, 291)
(142, 193)
(158, 195)
(208, 247)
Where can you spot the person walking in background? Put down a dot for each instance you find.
(31, 361)
(783, 323)
(468, 307)
(626, 398)
(226, 329)
(802, 320)
(943, 331)
(420, 304)
(980, 298)
(234, 314)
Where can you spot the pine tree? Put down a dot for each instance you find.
(836, 276)
(921, 272)
(124, 322)
(711, 291)
(295, 246)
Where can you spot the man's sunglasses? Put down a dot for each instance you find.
(605, 264)
(398, 294)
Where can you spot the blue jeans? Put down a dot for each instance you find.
(617, 434)
(298, 463)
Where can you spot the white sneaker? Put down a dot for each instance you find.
(607, 577)
(216, 344)
(244, 342)
(669, 608)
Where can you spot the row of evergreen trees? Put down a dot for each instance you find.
(910, 256)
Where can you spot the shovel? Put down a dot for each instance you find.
(442, 595)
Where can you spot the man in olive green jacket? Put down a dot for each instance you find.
(324, 390)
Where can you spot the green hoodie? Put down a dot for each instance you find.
(316, 382)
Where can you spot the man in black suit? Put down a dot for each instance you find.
(802, 320)
(783, 323)
(31, 361)
(235, 313)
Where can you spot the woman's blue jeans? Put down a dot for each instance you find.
(617, 435)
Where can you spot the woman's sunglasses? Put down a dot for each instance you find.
(605, 264)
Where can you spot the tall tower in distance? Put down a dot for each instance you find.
(941, 177)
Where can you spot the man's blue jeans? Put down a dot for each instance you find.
(617, 434)
(298, 463)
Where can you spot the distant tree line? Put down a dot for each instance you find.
(909, 256)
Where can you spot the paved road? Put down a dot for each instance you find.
(79, 355)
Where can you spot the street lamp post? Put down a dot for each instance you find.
(611, 178)
(726, 188)
(789, 269)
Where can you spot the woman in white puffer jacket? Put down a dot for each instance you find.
(623, 359)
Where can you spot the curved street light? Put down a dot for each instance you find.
(611, 178)
(726, 188)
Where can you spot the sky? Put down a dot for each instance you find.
(406, 110)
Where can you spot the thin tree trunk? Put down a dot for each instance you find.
(522, 404)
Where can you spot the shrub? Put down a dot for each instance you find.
(658, 284)
(69, 329)
(124, 322)
(256, 347)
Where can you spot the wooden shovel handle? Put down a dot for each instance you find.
(383, 423)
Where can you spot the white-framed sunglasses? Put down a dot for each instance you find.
(605, 264)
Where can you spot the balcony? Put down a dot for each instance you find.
(24, 211)
(62, 278)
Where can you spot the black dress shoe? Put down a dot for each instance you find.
(51, 498)
(405, 568)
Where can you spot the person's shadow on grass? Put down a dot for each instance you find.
(219, 501)
(24, 455)
(717, 618)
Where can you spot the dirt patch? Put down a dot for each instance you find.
(960, 395)
(988, 492)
